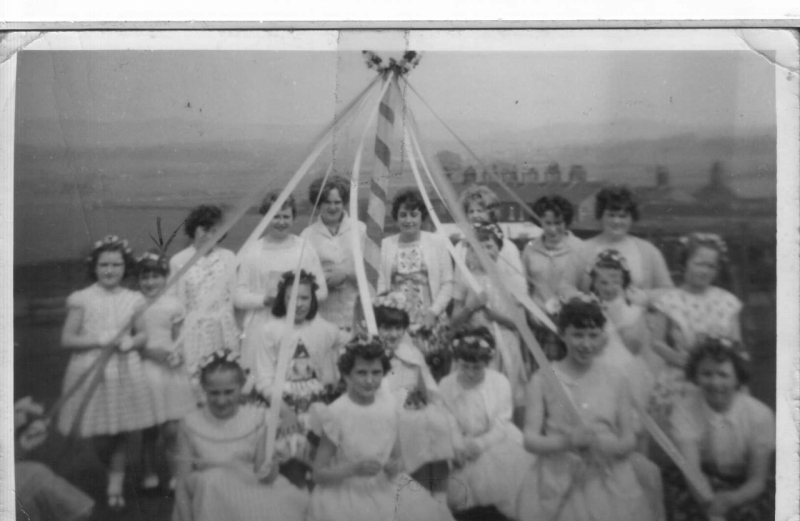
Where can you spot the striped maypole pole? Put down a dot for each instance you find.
(379, 184)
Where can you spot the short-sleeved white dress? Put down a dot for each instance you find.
(121, 402)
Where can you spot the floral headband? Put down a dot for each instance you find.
(472, 340)
(733, 346)
(305, 278)
(611, 257)
(703, 238)
(491, 228)
(362, 340)
(220, 355)
(159, 259)
(113, 242)
(392, 299)
(554, 305)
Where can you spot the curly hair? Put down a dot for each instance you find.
(271, 197)
(334, 182)
(411, 200)
(581, 313)
(473, 345)
(719, 351)
(101, 247)
(483, 196)
(487, 231)
(695, 241)
(204, 216)
(285, 286)
(366, 349)
(557, 204)
(616, 199)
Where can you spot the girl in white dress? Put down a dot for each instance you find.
(166, 375)
(583, 471)
(425, 428)
(358, 465)
(311, 376)
(206, 290)
(121, 404)
(222, 474)
(490, 461)
(263, 264)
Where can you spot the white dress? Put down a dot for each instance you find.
(483, 413)
(263, 264)
(362, 432)
(171, 388)
(121, 402)
(206, 292)
(227, 488)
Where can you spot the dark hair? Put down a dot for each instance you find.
(285, 286)
(412, 200)
(220, 361)
(110, 243)
(557, 204)
(486, 231)
(615, 199)
(581, 313)
(204, 216)
(334, 182)
(719, 351)
(152, 262)
(610, 260)
(366, 349)
(467, 345)
(271, 197)
(391, 317)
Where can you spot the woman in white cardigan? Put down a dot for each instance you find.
(418, 264)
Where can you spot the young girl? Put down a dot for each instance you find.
(221, 470)
(610, 281)
(357, 468)
(490, 461)
(582, 471)
(167, 378)
(121, 404)
(490, 310)
(424, 430)
(311, 373)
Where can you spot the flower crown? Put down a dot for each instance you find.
(554, 305)
(491, 228)
(220, 355)
(159, 259)
(611, 257)
(703, 238)
(112, 241)
(733, 346)
(362, 340)
(305, 278)
(392, 299)
(471, 340)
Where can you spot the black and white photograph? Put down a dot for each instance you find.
(374, 275)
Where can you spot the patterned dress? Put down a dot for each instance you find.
(223, 484)
(122, 401)
(366, 432)
(206, 292)
(714, 312)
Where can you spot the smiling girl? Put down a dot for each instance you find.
(583, 471)
(263, 264)
(358, 466)
(100, 318)
(221, 469)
